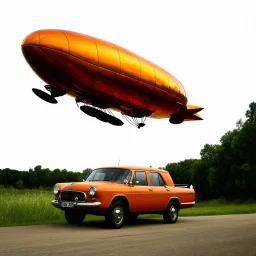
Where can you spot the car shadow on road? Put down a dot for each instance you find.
(101, 224)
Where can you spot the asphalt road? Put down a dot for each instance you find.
(212, 235)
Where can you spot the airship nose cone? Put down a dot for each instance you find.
(31, 39)
(49, 38)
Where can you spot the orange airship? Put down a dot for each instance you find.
(103, 76)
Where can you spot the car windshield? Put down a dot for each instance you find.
(117, 175)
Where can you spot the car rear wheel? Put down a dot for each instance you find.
(74, 217)
(116, 214)
(172, 213)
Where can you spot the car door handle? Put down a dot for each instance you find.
(150, 189)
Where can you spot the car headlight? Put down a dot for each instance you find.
(92, 191)
(55, 190)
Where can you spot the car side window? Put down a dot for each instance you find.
(140, 179)
(156, 179)
(161, 181)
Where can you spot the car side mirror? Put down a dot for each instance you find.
(125, 181)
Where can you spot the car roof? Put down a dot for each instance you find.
(131, 167)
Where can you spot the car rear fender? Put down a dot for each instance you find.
(176, 200)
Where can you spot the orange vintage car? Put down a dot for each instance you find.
(123, 192)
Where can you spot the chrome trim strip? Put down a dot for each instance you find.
(78, 204)
(71, 190)
(189, 203)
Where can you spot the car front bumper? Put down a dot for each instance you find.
(62, 204)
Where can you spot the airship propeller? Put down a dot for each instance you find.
(47, 97)
(101, 115)
(44, 96)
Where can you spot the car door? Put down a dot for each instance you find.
(142, 194)
(161, 194)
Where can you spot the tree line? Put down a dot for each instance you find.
(39, 177)
(227, 169)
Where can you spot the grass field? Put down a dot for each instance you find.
(31, 207)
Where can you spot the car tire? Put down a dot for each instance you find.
(172, 213)
(74, 217)
(116, 214)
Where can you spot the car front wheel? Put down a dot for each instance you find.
(74, 217)
(172, 213)
(116, 214)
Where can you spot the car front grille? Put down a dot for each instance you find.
(69, 196)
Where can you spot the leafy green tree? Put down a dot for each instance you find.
(200, 172)
(19, 184)
(251, 115)
(87, 172)
(181, 172)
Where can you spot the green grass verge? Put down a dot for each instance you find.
(219, 207)
(32, 207)
(215, 207)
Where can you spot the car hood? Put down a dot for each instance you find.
(84, 186)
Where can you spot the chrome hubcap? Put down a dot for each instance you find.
(173, 212)
(118, 214)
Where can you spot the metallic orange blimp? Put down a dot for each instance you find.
(103, 77)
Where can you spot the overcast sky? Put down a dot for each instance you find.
(210, 46)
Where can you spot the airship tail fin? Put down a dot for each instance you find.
(191, 113)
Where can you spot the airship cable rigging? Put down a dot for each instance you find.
(134, 121)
